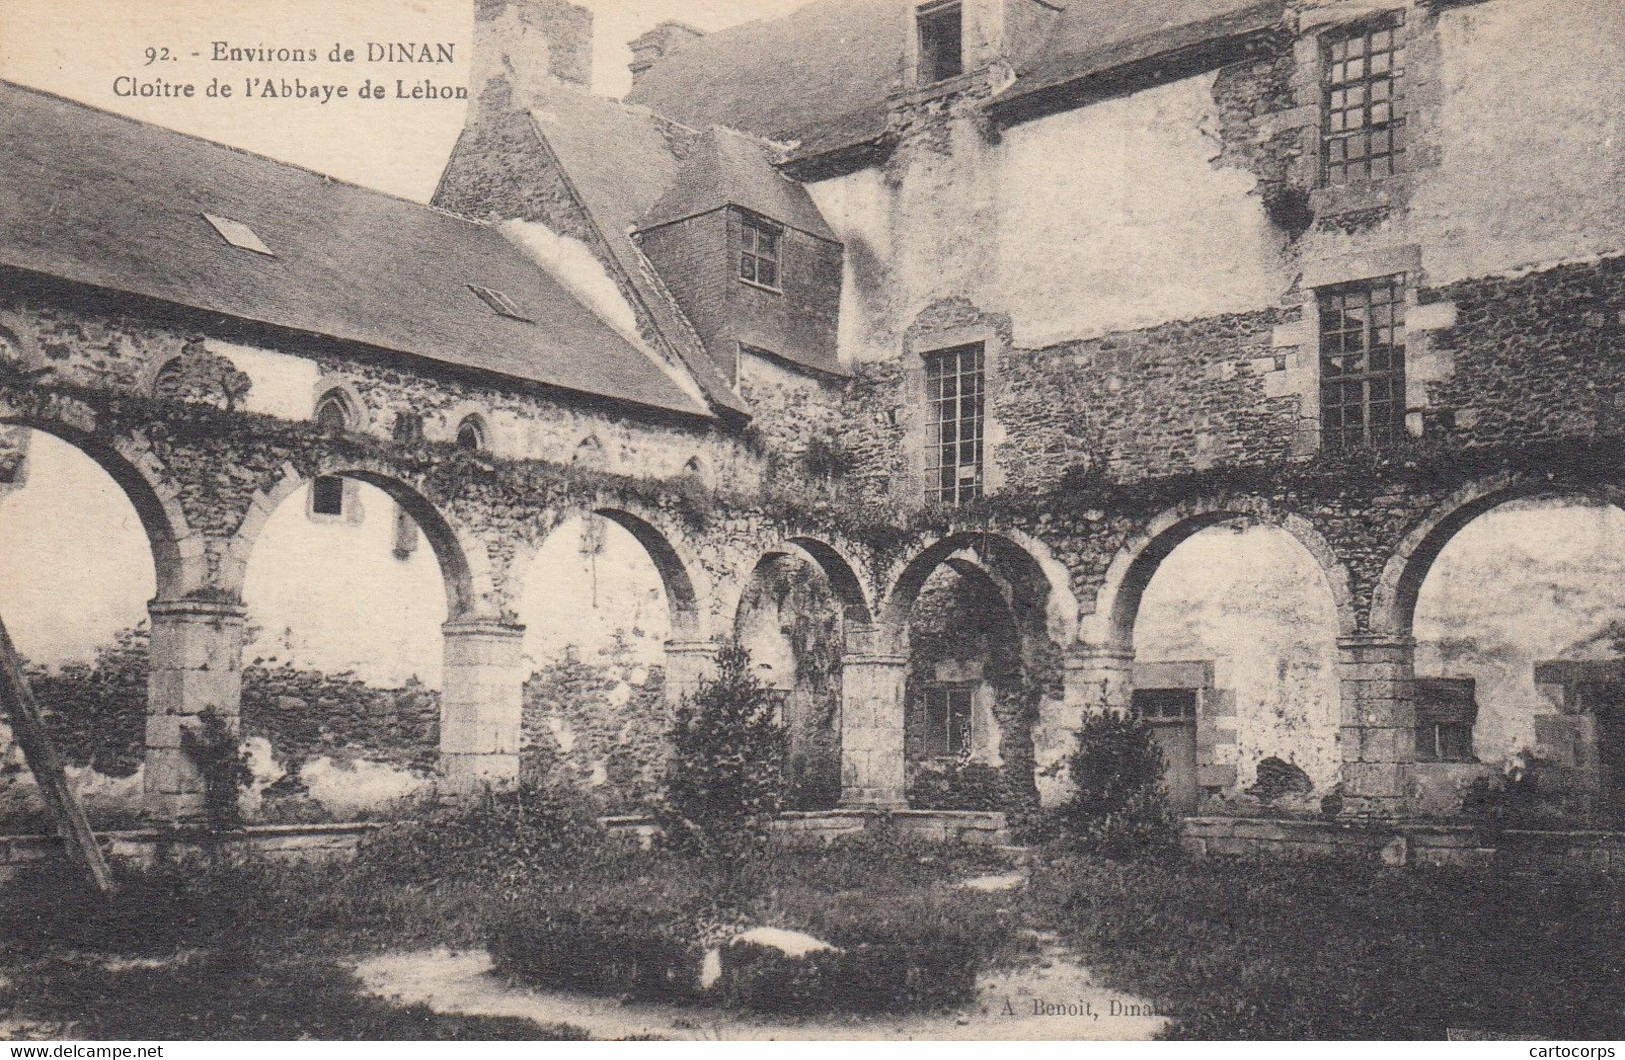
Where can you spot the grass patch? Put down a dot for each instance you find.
(1343, 950)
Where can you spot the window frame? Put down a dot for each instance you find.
(1446, 712)
(1344, 97)
(752, 255)
(1334, 352)
(939, 739)
(338, 398)
(330, 488)
(932, 66)
(960, 489)
(476, 423)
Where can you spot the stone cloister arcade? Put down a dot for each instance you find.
(204, 481)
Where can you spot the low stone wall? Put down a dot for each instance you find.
(144, 847)
(984, 828)
(1405, 843)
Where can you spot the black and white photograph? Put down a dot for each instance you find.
(1038, 521)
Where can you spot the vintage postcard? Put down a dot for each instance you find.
(870, 520)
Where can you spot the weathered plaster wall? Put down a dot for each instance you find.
(1254, 602)
(1111, 217)
(1532, 138)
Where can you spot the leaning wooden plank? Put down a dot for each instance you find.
(23, 713)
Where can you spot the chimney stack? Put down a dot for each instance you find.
(665, 39)
(521, 47)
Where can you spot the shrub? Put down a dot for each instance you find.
(613, 949)
(725, 780)
(891, 968)
(959, 786)
(215, 751)
(1118, 805)
(505, 839)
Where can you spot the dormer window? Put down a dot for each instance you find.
(941, 41)
(758, 252)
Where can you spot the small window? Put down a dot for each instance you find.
(1362, 135)
(501, 303)
(408, 429)
(1446, 709)
(953, 444)
(758, 252)
(327, 495)
(941, 42)
(471, 434)
(238, 235)
(333, 412)
(1163, 706)
(1362, 363)
(948, 720)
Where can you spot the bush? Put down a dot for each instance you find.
(892, 969)
(725, 781)
(505, 839)
(614, 950)
(217, 754)
(1118, 805)
(959, 786)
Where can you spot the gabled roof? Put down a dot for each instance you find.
(725, 168)
(98, 199)
(820, 77)
(619, 160)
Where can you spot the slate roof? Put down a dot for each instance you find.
(619, 160)
(775, 76)
(820, 76)
(725, 168)
(99, 199)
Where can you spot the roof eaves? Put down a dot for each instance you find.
(234, 323)
(1059, 83)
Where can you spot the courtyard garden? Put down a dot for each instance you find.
(517, 915)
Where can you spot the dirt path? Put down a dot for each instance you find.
(1054, 1000)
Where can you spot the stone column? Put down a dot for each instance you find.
(196, 665)
(481, 702)
(1377, 675)
(872, 708)
(1095, 680)
(688, 662)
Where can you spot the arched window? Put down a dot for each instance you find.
(334, 413)
(471, 434)
(589, 454)
(408, 428)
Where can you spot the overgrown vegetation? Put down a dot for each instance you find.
(1118, 805)
(724, 781)
(215, 750)
(1346, 950)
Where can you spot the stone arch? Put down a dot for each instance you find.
(177, 551)
(672, 562)
(1117, 603)
(464, 562)
(1036, 583)
(473, 434)
(832, 561)
(1393, 599)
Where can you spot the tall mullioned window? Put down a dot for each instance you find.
(1362, 363)
(948, 720)
(953, 444)
(1364, 125)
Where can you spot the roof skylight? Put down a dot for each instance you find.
(239, 235)
(500, 302)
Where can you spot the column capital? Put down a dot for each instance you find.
(202, 610)
(1084, 657)
(704, 648)
(870, 658)
(483, 627)
(1376, 641)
